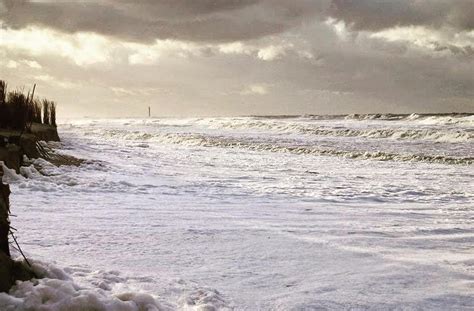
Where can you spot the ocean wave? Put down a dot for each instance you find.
(400, 134)
(432, 118)
(448, 128)
(440, 118)
(377, 155)
(428, 134)
(190, 139)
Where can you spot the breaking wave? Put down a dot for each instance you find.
(436, 128)
(378, 155)
(191, 139)
(438, 118)
(417, 137)
(429, 134)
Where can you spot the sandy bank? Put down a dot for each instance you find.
(14, 144)
(10, 270)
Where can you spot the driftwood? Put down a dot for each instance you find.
(19, 249)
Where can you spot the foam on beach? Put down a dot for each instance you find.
(57, 290)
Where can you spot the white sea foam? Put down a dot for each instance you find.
(252, 213)
(56, 290)
(279, 145)
(396, 130)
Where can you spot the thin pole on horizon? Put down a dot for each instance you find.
(149, 112)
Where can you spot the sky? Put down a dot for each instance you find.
(114, 58)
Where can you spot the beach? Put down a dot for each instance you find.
(307, 212)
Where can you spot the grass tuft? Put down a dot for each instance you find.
(18, 111)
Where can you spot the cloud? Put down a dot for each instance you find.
(22, 62)
(82, 49)
(219, 57)
(436, 42)
(147, 20)
(87, 49)
(272, 52)
(255, 89)
(375, 15)
(54, 81)
(228, 20)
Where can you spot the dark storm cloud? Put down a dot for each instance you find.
(227, 20)
(373, 15)
(146, 20)
(290, 48)
(466, 51)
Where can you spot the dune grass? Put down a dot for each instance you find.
(18, 111)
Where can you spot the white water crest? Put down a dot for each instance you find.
(253, 213)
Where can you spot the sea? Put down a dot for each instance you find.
(347, 212)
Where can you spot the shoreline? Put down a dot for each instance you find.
(27, 283)
(14, 147)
